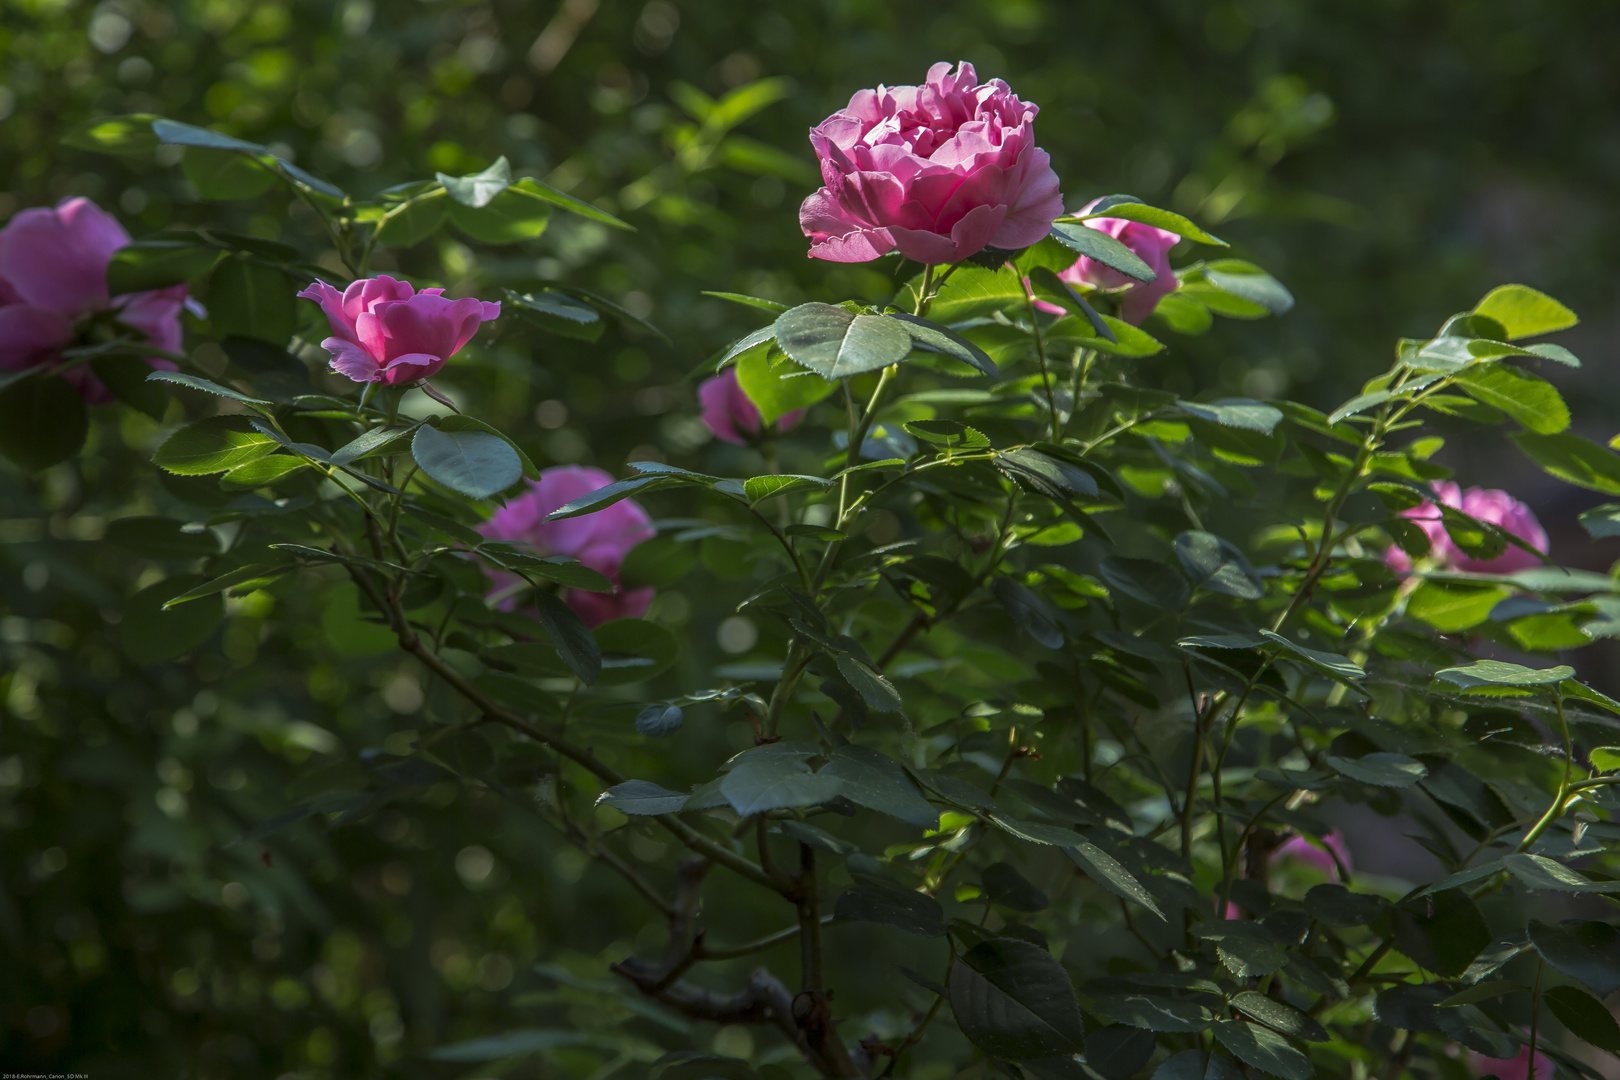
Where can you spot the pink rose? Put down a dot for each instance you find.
(730, 414)
(1151, 244)
(1513, 1068)
(600, 540)
(1321, 856)
(939, 171)
(53, 270)
(1486, 504)
(384, 331)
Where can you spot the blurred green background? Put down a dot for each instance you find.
(1390, 161)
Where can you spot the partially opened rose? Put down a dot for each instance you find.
(1151, 244)
(385, 331)
(729, 413)
(1488, 505)
(53, 270)
(939, 171)
(600, 540)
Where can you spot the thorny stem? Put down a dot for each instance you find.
(1046, 371)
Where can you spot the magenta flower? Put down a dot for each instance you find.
(1513, 1068)
(1488, 505)
(939, 171)
(383, 330)
(600, 540)
(53, 270)
(1151, 244)
(730, 414)
(1319, 854)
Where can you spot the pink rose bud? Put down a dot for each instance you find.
(730, 414)
(1486, 504)
(53, 269)
(939, 171)
(600, 540)
(383, 330)
(1151, 244)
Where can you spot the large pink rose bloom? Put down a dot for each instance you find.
(729, 413)
(939, 171)
(385, 331)
(1151, 244)
(53, 270)
(1488, 505)
(600, 540)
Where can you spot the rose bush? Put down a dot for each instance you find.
(1028, 670)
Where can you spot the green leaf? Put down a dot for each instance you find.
(1380, 768)
(835, 344)
(1450, 606)
(571, 637)
(943, 340)
(1236, 412)
(659, 721)
(1214, 564)
(1117, 1053)
(149, 634)
(951, 434)
(759, 488)
(1334, 905)
(1585, 1016)
(1006, 887)
(1548, 875)
(535, 189)
(1442, 932)
(1159, 219)
(42, 421)
(1529, 399)
(1029, 611)
(129, 135)
(748, 301)
(558, 312)
(1555, 352)
(761, 782)
(1602, 522)
(467, 423)
(261, 473)
(509, 217)
(1106, 871)
(642, 798)
(512, 1044)
(602, 498)
(1264, 1049)
(776, 385)
(634, 650)
(1153, 1012)
(878, 693)
(1573, 459)
(125, 378)
(1103, 248)
(207, 386)
(1122, 338)
(1197, 1065)
(252, 301)
(158, 264)
(1483, 673)
(1330, 663)
(1247, 949)
(1524, 312)
(476, 190)
(1047, 475)
(408, 225)
(564, 571)
(1249, 282)
(1588, 951)
(1604, 758)
(217, 444)
(876, 781)
(975, 291)
(378, 440)
(1279, 1016)
(476, 463)
(225, 174)
(250, 577)
(1014, 1000)
(877, 901)
(175, 133)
